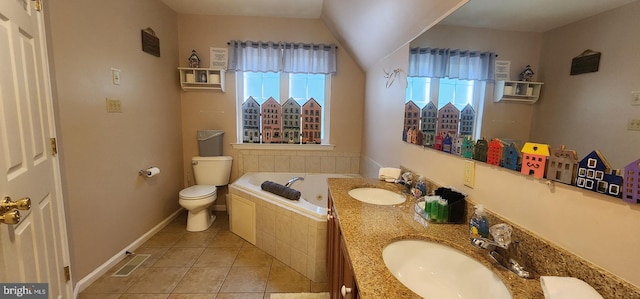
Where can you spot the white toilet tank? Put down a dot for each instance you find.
(212, 170)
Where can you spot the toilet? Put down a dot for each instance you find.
(209, 173)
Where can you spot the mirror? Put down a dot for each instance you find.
(585, 112)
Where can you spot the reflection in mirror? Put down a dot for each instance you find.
(585, 112)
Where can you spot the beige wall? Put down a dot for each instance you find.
(217, 110)
(502, 119)
(596, 227)
(590, 111)
(108, 205)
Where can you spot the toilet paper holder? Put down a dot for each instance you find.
(149, 172)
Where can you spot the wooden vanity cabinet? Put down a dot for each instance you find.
(339, 270)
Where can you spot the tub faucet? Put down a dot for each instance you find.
(503, 251)
(293, 180)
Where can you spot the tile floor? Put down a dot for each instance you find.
(201, 265)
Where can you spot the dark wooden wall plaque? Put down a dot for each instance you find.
(587, 62)
(150, 43)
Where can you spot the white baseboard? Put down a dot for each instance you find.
(119, 256)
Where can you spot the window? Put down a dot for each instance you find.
(301, 88)
(441, 91)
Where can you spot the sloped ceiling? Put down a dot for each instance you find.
(373, 29)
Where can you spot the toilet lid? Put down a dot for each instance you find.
(198, 191)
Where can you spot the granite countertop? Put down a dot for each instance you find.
(368, 228)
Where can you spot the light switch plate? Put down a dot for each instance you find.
(635, 98)
(115, 76)
(469, 179)
(114, 105)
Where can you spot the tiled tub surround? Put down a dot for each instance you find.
(367, 229)
(307, 161)
(292, 231)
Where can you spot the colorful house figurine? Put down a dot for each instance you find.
(631, 188)
(447, 143)
(562, 166)
(480, 150)
(534, 159)
(271, 121)
(448, 119)
(494, 152)
(411, 116)
(250, 121)
(194, 60)
(456, 148)
(428, 123)
(595, 174)
(419, 137)
(467, 120)
(438, 144)
(467, 147)
(291, 121)
(511, 156)
(311, 122)
(410, 132)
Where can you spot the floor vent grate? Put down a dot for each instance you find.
(133, 264)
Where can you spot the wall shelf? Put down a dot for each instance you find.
(201, 79)
(517, 91)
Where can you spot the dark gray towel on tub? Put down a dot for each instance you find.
(281, 190)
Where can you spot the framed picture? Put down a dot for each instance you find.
(502, 69)
(218, 58)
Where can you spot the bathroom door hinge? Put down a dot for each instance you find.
(54, 146)
(67, 273)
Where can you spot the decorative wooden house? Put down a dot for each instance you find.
(447, 143)
(457, 145)
(419, 137)
(291, 121)
(631, 188)
(595, 174)
(467, 147)
(448, 120)
(250, 121)
(494, 152)
(480, 150)
(562, 165)
(410, 132)
(438, 144)
(271, 121)
(429, 122)
(467, 120)
(511, 156)
(311, 122)
(534, 159)
(411, 116)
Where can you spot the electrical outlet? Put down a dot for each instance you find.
(635, 98)
(469, 179)
(114, 105)
(633, 124)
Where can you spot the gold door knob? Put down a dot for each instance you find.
(12, 217)
(21, 204)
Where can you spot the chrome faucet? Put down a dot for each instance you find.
(293, 180)
(504, 252)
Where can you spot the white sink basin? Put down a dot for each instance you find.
(377, 196)
(433, 270)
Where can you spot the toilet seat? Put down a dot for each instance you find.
(198, 192)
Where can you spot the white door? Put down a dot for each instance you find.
(35, 250)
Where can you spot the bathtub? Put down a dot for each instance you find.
(293, 231)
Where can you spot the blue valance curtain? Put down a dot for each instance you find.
(282, 57)
(451, 63)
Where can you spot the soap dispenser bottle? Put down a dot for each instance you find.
(479, 225)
